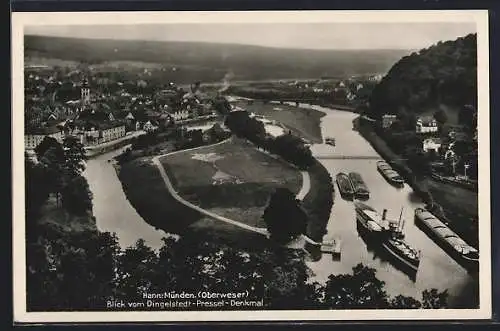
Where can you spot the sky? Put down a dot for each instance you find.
(282, 35)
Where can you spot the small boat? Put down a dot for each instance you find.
(446, 238)
(389, 173)
(360, 189)
(330, 141)
(345, 185)
(371, 221)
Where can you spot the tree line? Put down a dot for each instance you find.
(89, 269)
(288, 146)
(57, 172)
(83, 270)
(444, 73)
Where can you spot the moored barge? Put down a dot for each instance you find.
(370, 220)
(391, 175)
(345, 186)
(360, 188)
(455, 246)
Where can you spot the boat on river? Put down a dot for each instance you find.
(402, 252)
(330, 141)
(371, 222)
(345, 186)
(391, 175)
(360, 189)
(455, 246)
(387, 234)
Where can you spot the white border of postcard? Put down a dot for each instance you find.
(19, 20)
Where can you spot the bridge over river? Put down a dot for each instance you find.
(347, 157)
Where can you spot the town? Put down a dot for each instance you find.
(98, 110)
(187, 184)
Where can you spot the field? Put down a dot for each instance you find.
(304, 123)
(146, 191)
(232, 179)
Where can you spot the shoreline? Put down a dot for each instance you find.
(377, 142)
(110, 146)
(457, 222)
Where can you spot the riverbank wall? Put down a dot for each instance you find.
(94, 151)
(436, 204)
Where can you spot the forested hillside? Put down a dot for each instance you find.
(211, 61)
(443, 74)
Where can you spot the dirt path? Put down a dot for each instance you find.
(306, 185)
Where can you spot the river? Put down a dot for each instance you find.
(115, 214)
(112, 210)
(436, 270)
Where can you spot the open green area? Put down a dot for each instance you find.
(146, 191)
(304, 123)
(232, 179)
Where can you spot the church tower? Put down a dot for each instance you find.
(85, 93)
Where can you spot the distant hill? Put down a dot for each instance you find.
(444, 74)
(213, 61)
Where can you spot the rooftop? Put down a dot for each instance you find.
(43, 131)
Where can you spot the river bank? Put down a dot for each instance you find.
(458, 210)
(110, 146)
(113, 212)
(437, 269)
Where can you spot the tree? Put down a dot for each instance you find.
(136, 269)
(404, 302)
(44, 145)
(441, 117)
(432, 299)
(467, 117)
(221, 105)
(53, 161)
(407, 119)
(418, 162)
(75, 157)
(362, 289)
(102, 255)
(76, 196)
(441, 74)
(284, 216)
(36, 188)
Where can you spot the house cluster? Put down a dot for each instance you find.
(81, 104)
(441, 143)
(349, 89)
(87, 122)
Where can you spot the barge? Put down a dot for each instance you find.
(345, 186)
(391, 175)
(360, 189)
(455, 246)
